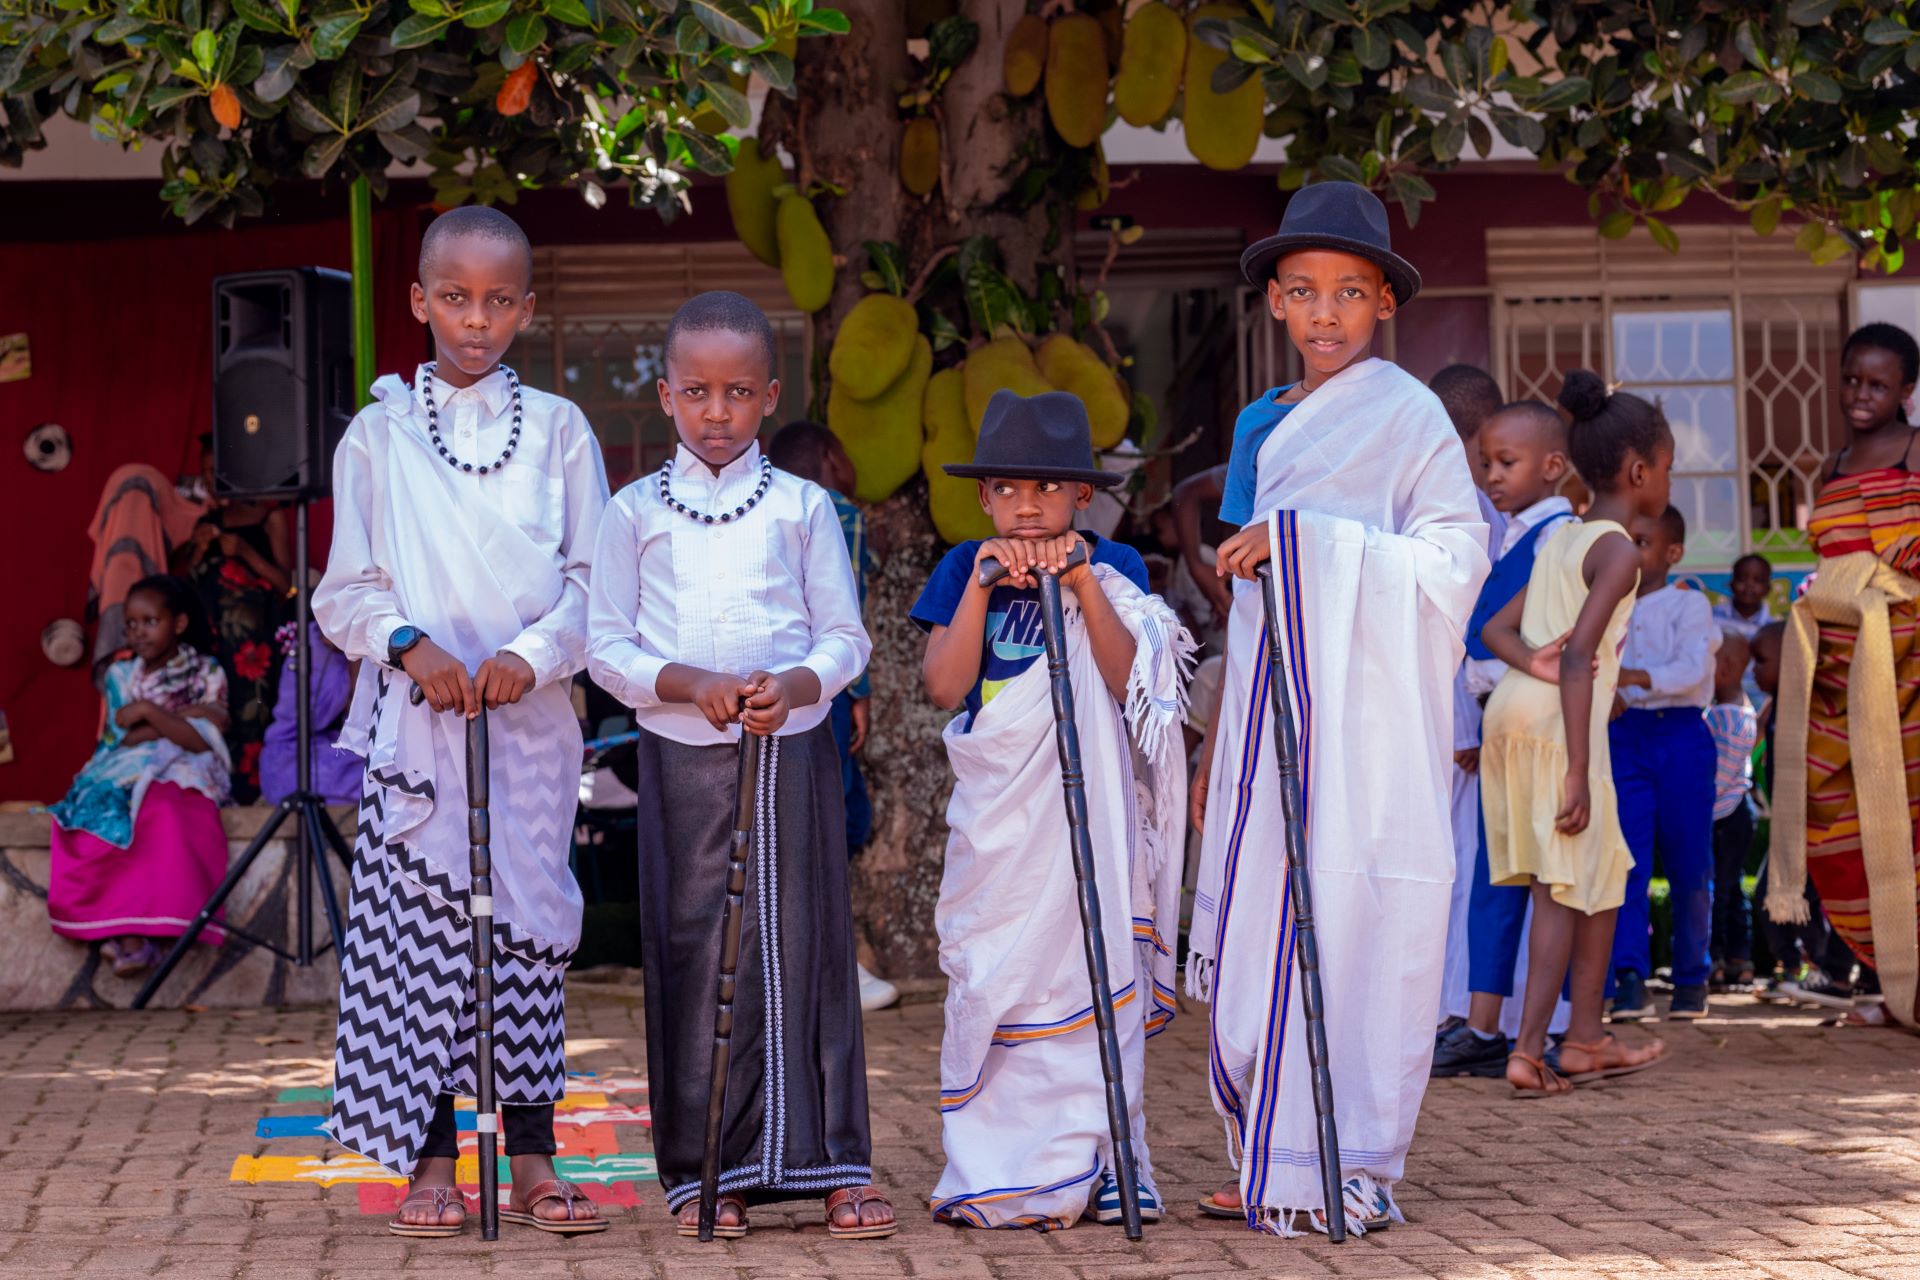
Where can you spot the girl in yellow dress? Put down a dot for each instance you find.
(1546, 777)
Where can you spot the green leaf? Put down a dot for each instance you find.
(1247, 51)
(1750, 87)
(1810, 237)
(889, 264)
(526, 32)
(1431, 93)
(951, 41)
(1886, 31)
(1818, 86)
(322, 154)
(409, 143)
(1309, 71)
(1291, 177)
(1373, 47)
(1832, 248)
(1449, 139)
(944, 332)
(291, 8)
(1231, 74)
(344, 88)
(432, 8)
(728, 101)
(107, 84)
(331, 36)
(993, 301)
(485, 14)
(1765, 216)
(634, 118)
(1521, 130)
(775, 68)
(825, 22)
(709, 154)
(571, 12)
(276, 76)
(206, 48)
(1663, 235)
(258, 14)
(1573, 91)
(1617, 224)
(168, 96)
(116, 29)
(690, 39)
(417, 29)
(1412, 191)
(730, 21)
(1332, 10)
(308, 115)
(393, 108)
(1748, 43)
(1811, 13)
(1342, 169)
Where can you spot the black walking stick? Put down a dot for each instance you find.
(1286, 752)
(730, 923)
(486, 1119)
(1067, 738)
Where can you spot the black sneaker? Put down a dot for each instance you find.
(1689, 1002)
(1630, 1000)
(1462, 1053)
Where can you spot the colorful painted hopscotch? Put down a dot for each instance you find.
(587, 1127)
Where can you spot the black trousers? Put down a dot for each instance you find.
(529, 1131)
(1732, 842)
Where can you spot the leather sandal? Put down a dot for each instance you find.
(722, 1230)
(1610, 1058)
(441, 1199)
(1551, 1083)
(854, 1198)
(567, 1194)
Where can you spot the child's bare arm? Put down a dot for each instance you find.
(1612, 568)
(1501, 634)
(1112, 644)
(1190, 497)
(176, 729)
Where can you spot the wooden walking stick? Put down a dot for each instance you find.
(1073, 781)
(730, 924)
(1286, 753)
(486, 1119)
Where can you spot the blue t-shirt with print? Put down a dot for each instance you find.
(1013, 638)
(1250, 431)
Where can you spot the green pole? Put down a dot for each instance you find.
(360, 222)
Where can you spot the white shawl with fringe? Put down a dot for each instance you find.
(1023, 1103)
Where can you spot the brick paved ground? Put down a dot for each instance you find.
(1770, 1146)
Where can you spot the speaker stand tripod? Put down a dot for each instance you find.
(313, 829)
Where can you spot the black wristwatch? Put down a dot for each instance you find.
(402, 640)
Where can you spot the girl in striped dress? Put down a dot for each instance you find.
(1848, 755)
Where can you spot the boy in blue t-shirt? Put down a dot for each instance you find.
(1035, 1118)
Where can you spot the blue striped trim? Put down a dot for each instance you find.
(1226, 1094)
(961, 1206)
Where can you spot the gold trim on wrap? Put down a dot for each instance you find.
(1851, 590)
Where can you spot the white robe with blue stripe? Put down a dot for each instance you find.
(1023, 1103)
(1379, 551)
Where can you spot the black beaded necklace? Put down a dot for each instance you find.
(725, 517)
(433, 423)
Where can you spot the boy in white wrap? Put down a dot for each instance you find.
(1024, 1118)
(465, 512)
(1353, 482)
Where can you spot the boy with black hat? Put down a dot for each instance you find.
(1024, 1118)
(1353, 483)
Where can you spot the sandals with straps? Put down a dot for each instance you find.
(1551, 1084)
(567, 1194)
(1611, 1058)
(854, 1198)
(441, 1198)
(722, 1230)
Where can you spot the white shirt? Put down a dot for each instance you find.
(1673, 638)
(768, 591)
(1482, 674)
(1744, 627)
(553, 490)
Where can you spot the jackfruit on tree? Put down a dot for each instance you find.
(874, 345)
(1077, 78)
(1099, 183)
(1074, 367)
(1151, 56)
(750, 200)
(806, 255)
(882, 435)
(1004, 363)
(1222, 129)
(920, 155)
(955, 503)
(1025, 56)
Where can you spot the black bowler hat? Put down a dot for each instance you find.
(1043, 437)
(1333, 215)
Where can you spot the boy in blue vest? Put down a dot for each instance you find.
(1523, 449)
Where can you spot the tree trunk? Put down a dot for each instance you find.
(845, 127)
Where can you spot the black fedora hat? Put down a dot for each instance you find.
(1043, 437)
(1333, 215)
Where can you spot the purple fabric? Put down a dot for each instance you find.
(336, 773)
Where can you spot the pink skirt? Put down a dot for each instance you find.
(154, 887)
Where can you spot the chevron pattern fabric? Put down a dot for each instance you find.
(405, 1026)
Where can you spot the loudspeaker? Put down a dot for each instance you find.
(282, 379)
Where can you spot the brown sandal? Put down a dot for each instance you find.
(853, 1198)
(442, 1198)
(567, 1194)
(1611, 1058)
(690, 1227)
(1551, 1083)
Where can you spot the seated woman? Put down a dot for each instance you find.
(137, 842)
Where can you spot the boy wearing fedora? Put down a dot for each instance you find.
(1355, 487)
(1023, 1105)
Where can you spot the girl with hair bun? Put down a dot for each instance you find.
(1546, 775)
(1847, 724)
